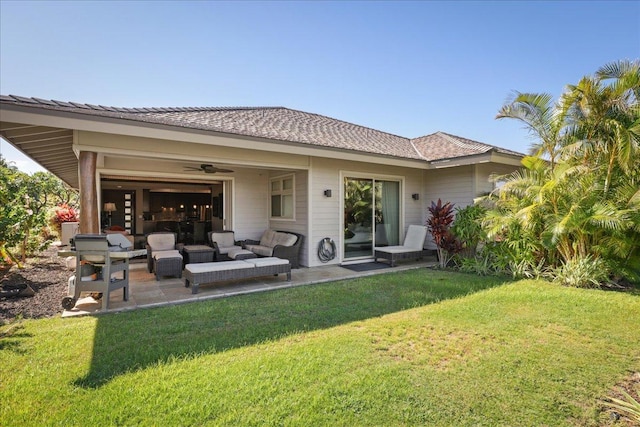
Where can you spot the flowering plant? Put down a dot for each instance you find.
(65, 213)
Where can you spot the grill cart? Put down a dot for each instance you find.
(102, 265)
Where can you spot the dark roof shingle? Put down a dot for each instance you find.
(279, 124)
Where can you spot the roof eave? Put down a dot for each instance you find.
(491, 156)
(76, 120)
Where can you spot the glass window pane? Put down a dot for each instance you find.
(287, 206)
(275, 206)
(275, 185)
(358, 216)
(387, 213)
(287, 184)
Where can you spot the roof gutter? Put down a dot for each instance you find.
(490, 156)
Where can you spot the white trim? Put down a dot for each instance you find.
(270, 193)
(183, 157)
(310, 223)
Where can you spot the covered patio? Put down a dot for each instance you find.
(147, 292)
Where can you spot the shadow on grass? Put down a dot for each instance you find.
(131, 341)
(12, 339)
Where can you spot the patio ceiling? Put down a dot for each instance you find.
(51, 147)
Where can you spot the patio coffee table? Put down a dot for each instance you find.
(197, 253)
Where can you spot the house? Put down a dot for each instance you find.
(249, 169)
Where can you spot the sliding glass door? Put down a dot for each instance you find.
(371, 215)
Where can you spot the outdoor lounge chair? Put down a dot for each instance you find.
(164, 255)
(411, 248)
(222, 243)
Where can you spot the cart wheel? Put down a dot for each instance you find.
(68, 303)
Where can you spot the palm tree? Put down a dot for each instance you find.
(603, 120)
(579, 199)
(540, 117)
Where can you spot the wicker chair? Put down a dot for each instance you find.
(164, 255)
(222, 243)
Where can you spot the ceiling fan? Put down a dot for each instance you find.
(207, 169)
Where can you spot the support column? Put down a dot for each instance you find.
(89, 213)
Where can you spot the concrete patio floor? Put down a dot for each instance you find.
(146, 292)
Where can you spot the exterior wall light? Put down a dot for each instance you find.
(327, 193)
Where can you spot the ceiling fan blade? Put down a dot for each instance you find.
(207, 168)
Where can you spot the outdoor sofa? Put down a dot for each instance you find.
(280, 244)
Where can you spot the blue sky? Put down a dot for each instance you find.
(408, 68)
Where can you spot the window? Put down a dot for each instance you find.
(282, 205)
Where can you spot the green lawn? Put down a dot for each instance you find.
(413, 348)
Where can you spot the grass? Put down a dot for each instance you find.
(412, 348)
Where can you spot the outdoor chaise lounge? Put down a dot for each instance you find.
(210, 272)
(411, 248)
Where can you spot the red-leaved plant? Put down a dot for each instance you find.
(439, 225)
(65, 213)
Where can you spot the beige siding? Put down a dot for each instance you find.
(485, 171)
(250, 204)
(460, 185)
(130, 148)
(300, 225)
(455, 185)
(327, 216)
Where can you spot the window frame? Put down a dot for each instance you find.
(280, 192)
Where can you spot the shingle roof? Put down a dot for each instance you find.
(440, 146)
(279, 124)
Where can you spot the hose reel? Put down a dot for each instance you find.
(326, 250)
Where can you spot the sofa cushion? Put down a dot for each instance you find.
(260, 250)
(268, 261)
(226, 249)
(284, 239)
(224, 240)
(267, 238)
(206, 267)
(167, 254)
(240, 254)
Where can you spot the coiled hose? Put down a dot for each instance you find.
(326, 250)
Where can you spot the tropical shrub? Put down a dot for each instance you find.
(25, 201)
(439, 225)
(467, 227)
(587, 272)
(575, 204)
